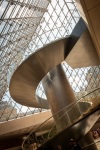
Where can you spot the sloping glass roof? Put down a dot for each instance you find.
(19, 20)
(25, 26)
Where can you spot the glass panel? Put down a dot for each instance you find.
(27, 27)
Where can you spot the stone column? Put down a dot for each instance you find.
(59, 95)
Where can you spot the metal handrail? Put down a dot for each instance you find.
(90, 144)
(71, 106)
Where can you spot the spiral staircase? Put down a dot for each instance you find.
(73, 121)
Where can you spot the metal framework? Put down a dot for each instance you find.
(25, 26)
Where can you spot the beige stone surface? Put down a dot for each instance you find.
(83, 53)
(21, 124)
(94, 15)
(91, 10)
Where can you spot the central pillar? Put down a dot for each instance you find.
(60, 95)
(58, 90)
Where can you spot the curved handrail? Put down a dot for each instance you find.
(69, 106)
(70, 109)
(45, 121)
(90, 144)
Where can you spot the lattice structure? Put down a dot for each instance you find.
(25, 26)
(19, 20)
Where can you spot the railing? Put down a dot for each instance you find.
(97, 143)
(65, 117)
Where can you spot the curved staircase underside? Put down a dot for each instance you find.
(26, 78)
